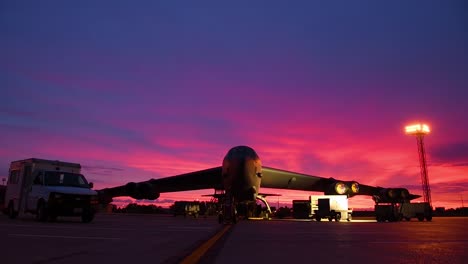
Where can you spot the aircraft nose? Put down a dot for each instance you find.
(243, 178)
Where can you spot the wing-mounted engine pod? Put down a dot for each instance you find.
(146, 191)
(354, 188)
(394, 195)
(343, 188)
(103, 197)
(153, 196)
(340, 188)
(131, 189)
(397, 193)
(405, 193)
(143, 190)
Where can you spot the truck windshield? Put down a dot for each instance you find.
(58, 178)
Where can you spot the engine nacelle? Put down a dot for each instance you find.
(350, 188)
(104, 198)
(142, 190)
(353, 188)
(392, 195)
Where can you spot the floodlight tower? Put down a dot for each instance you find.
(420, 130)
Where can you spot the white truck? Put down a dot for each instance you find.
(332, 207)
(49, 188)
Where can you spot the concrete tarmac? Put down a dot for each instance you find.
(110, 238)
(119, 238)
(444, 240)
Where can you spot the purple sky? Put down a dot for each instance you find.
(157, 88)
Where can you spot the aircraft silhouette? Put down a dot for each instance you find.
(240, 177)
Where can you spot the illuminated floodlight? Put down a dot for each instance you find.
(417, 129)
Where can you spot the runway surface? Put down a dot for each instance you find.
(109, 239)
(119, 238)
(444, 240)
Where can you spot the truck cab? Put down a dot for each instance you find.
(49, 189)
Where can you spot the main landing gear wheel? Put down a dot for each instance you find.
(229, 210)
(87, 216)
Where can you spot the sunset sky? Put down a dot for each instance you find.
(148, 89)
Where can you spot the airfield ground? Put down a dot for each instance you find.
(117, 238)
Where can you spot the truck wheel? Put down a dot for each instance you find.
(52, 217)
(337, 217)
(11, 211)
(429, 218)
(41, 213)
(330, 218)
(318, 218)
(87, 216)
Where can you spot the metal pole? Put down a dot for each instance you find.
(424, 177)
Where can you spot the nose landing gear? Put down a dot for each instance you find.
(228, 213)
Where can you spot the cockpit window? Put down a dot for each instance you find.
(241, 152)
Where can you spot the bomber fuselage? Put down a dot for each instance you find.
(242, 173)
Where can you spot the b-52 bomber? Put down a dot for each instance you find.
(240, 177)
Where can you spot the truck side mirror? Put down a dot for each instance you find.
(91, 185)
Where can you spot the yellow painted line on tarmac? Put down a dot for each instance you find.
(201, 250)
